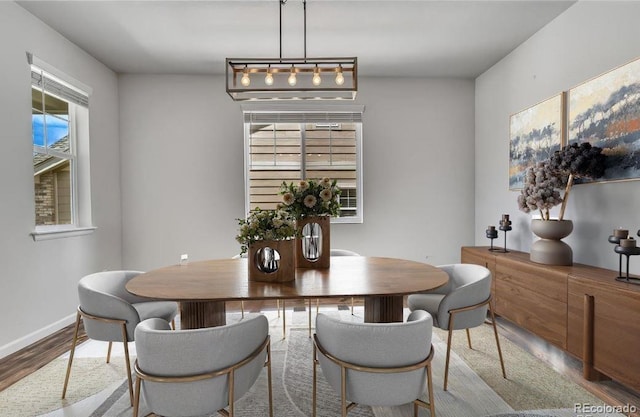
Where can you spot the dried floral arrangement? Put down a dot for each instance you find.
(543, 182)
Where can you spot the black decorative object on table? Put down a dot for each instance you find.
(492, 233)
(615, 239)
(627, 247)
(505, 226)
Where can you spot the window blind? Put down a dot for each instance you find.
(44, 77)
(302, 117)
(48, 83)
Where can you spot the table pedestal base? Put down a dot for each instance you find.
(383, 309)
(196, 315)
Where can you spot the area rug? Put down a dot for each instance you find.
(476, 387)
(292, 379)
(41, 392)
(530, 383)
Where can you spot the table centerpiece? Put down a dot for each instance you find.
(312, 203)
(268, 237)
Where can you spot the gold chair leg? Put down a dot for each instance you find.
(109, 352)
(126, 359)
(432, 405)
(231, 397)
(343, 391)
(242, 308)
(315, 375)
(446, 364)
(317, 306)
(73, 350)
(136, 397)
(269, 380)
(284, 321)
(352, 307)
(469, 338)
(495, 332)
(449, 337)
(278, 307)
(173, 324)
(309, 317)
(415, 409)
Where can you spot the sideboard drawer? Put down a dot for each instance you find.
(534, 297)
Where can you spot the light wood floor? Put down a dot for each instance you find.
(20, 364)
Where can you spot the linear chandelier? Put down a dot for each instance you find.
(292, 78)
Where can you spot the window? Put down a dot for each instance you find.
(290, 146)
(59, 121)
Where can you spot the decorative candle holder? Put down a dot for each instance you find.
(505, 226)
(627, 248)
(492, 233)
(616, 241)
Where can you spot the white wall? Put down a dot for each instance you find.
(39, 279)
(182, 158)
(585, 41)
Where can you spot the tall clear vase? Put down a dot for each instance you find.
(313, 244)
(311, 241)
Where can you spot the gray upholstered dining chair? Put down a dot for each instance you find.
(384, 364)
(460, 304)
(200, 371)
(334, 252)
(110, 313)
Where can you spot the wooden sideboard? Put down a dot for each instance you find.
(580, 308)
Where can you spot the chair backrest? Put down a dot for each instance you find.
(468, 285)
(387, 345)
(343, 252)
(103, 294)
(166, 352)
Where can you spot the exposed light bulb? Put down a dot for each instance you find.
(339, 76)
(292, 78)
(245, 80)
(316, 80)
(268, 79)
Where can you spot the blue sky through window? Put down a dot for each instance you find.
(57, 128)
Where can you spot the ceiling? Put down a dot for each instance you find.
(390, 38)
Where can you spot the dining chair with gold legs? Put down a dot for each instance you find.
(462, 303)
(222, 364)
(110, 313)
(377, 364)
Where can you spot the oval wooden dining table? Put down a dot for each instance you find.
(203, 287)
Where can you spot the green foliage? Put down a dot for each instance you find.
(265, 225)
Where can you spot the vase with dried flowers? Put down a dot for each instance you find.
(312, 203)
(268, 236)
(542, 187)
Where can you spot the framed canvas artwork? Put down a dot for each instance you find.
(534, 135)
(605, 111)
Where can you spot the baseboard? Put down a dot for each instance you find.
(33, 337)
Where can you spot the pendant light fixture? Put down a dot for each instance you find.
(292, 78)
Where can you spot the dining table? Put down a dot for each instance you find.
(202, 288)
